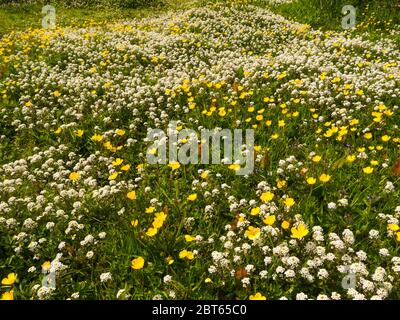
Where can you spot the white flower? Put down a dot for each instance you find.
(105, 277)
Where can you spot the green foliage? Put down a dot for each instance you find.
(88, 3)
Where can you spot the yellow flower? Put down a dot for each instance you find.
(192, 197)
(208, 280)
(269, 220)
(267, 196)
(169, 260)
(289, 202)
(184, 254)
(280, 183)
(174, 165)
(252, 233)
(120, 132)
(255, 211)
(368, 135)
(398, 236)
(9, 281)
(151, 232)
(393, 227)
(311, 180)
(79, 133)
(324, 177)
(46, 265)
(234, 167)
(368, 170)
(150, 209)
(157, 223)
(300, 232)
(74, 176)
(97, 138)
(316, 158)
(131, 195)
(257, 296)
(189, 238)
(285, 225)
(7, 295)
(126, 167)
(137, 263)
(117, 162)
(135, 223)
(113, 176)
(161, 216)
(56, 93)
(350, 158)
(204, 174)
(374, 162)
(58, 131)
(385, 138)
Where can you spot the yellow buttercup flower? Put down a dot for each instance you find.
(368, 170)
(97, 137)
(113, 176)
(257, 296)
(234, 167)
(7, 295)
(157, 223)
(393, 227)
(289, 202)
(385, 138)
(189, 238)
(137, 263)
(316, 158)
(204, 175)
(192, 197)
(135, 223)
(184, 254)
(311, 180)
(267, 196)
(350, 158)
(324, 177)
(150, 209)
(252, 233)
(46, 265)
(131, 195)
(285, 225)
(270, 220)
(255, 211)
(79, 133)
(117, 162)
(120, 132)
(300, 232)
(151, 232)
(9, 281)
(174, 165)
(280, 184)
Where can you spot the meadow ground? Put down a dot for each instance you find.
(84, 215)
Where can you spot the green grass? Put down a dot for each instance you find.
(373, 18)
(23, 16)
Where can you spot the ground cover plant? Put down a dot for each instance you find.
(83, 215)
